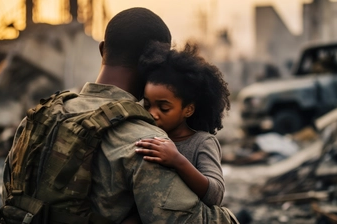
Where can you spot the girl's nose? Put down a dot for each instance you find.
(154, 115)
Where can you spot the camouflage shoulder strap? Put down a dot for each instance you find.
(113, 113)
(107, 116)
(39, 122)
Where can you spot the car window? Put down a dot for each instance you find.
(318, 61)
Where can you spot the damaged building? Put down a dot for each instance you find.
(45, 58)
(277, 44)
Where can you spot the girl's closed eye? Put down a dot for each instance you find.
(164, 109)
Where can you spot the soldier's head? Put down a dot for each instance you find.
(127, 35)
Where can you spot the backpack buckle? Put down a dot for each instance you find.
(116, 119)
(28, 218)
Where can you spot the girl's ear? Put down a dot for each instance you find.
(189, 110)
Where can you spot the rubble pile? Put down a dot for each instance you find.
(284, 192)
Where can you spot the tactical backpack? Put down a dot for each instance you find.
(51, 165)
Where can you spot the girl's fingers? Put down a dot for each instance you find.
(144, 142)
(149, 143)
(151, 159)
(160, 139)
(149, 155)
(147, 152)
(146, 145)
(155, 140)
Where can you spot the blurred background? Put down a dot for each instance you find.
(278, 56)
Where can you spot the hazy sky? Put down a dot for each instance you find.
(236, 16)
(182, 17)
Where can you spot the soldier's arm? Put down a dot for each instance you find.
(162, 197)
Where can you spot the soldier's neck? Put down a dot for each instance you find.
(122, 77)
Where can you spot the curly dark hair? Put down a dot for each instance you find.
(191, 79)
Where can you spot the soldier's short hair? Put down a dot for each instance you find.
(129, 32)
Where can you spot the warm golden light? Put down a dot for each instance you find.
(13, 15)
(51, 11)
(12, 18)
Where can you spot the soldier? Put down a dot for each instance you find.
(121, 180)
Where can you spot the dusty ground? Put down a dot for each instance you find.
(243, 184)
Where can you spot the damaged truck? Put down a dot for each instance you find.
(286, 105)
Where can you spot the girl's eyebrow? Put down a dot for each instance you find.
(163, 101)
(158, 101)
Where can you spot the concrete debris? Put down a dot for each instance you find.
(297, 191)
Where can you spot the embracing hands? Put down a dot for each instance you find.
(159, 150)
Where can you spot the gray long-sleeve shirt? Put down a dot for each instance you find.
(204, 152)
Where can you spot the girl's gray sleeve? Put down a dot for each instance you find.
(209, 164)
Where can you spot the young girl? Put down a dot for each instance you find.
(186, 97)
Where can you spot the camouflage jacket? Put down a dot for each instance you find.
(123, 181)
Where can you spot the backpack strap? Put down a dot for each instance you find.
(21, 208)
(25, 202)
(44, 130)
(112, 113)
(108, 115)
(59, 97)
(29, 207)
(36, 128)
(36, 114)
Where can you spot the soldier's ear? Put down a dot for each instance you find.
(101, 46)
(189, 110)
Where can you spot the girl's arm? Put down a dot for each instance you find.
(207, 159)
(165, 152)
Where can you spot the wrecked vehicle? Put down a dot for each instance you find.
(289, 104)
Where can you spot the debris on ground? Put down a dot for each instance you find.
(268, 148)
(302, 193)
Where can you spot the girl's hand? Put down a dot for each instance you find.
(159, 150)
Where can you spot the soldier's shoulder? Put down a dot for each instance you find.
(133, 130)
(144, 128)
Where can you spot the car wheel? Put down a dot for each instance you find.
(287, 121)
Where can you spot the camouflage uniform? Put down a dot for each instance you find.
(122, 180)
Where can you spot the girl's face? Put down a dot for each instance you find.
(166, 108)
